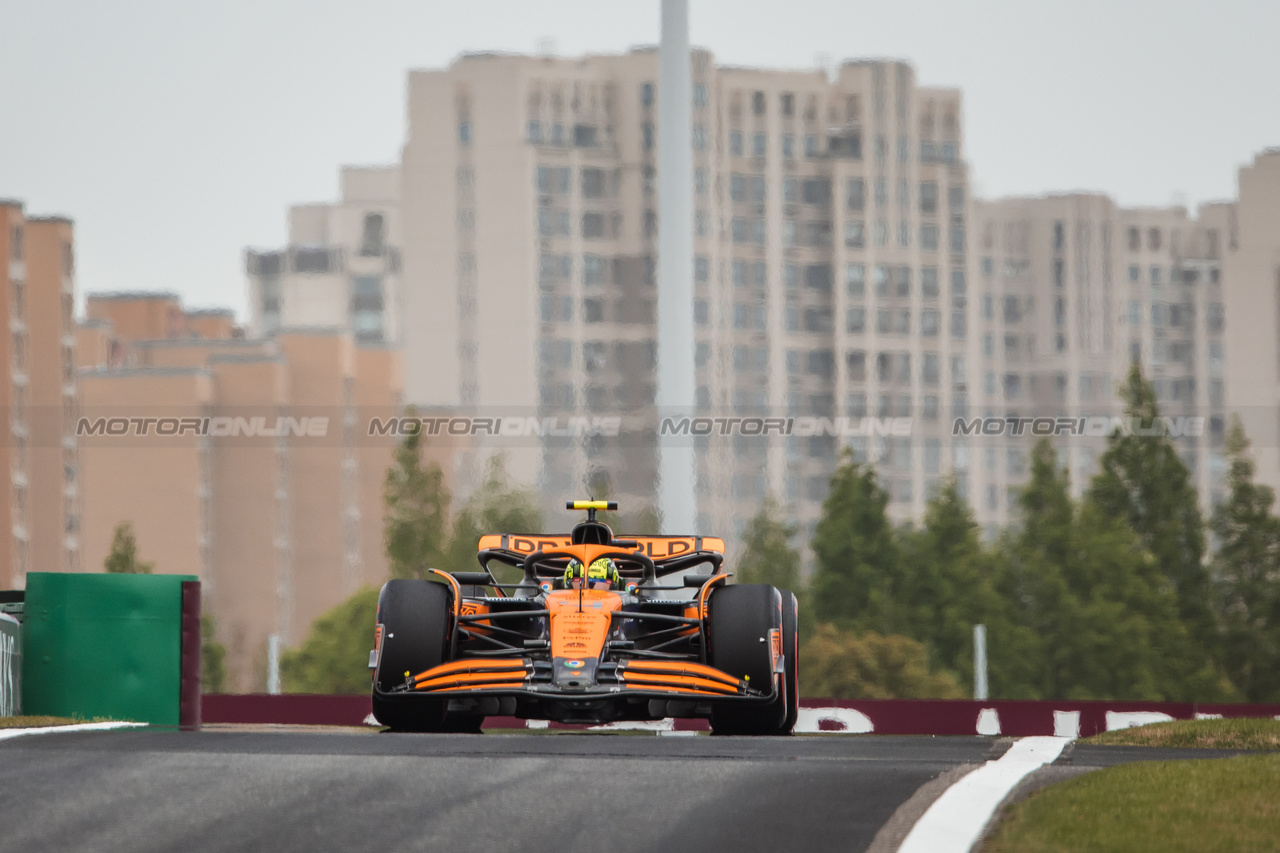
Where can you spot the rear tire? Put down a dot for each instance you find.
(415, 620)
(739, 619)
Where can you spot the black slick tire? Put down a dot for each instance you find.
(415, 619)
(739, 620)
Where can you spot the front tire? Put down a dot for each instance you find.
(415, 620)
(739, 620)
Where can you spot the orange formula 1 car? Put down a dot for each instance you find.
(585, 636)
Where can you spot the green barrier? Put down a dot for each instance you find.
(104, 645)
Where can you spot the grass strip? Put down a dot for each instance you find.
(1261, 733)
(1206, 805)
(36, 722)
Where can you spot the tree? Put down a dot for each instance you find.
(1143, 481)
(946, 586)
(643, 520)
(417, 511)
(213, 655)
(767, 555)
(335, 656)
(1246, 573)
(847, 665)
(1094, 617)
(856, 554)
(1030, 581)
(496, 506)
(123, 559)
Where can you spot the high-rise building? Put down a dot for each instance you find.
(341, 268)
(274, 500)
(845, 282)
(831, 269)
(40, 520)
(1070, 290)
(1252, 299)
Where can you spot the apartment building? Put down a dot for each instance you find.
(831, 269)
(280, 524)
(341, 268)
(844, 278)
(1070, 290)
(40, 521)
(1252, 300)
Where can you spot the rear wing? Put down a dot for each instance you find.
(656, 548)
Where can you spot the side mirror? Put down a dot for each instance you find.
(696, 581)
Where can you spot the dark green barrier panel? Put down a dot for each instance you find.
(102, 645)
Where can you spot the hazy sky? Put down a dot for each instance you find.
(176, 133)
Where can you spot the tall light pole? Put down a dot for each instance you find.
(675, 395)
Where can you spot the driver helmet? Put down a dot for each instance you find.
(601, 574)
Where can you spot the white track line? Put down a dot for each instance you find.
(956, 819)
(5, 734)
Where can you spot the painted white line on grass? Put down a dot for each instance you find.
(956, 819)
(5, 734)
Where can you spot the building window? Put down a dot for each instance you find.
(735, 143)
(929, 282)
(856, 321)
(646, 94)
(592, 226)
(464, 133)
(788, 146)
(881, 280)
(593, 183)
(854, 194)
(928, 197)
(593, 269)
(759, 145)
(929, 237)
(855, 276)
(373, 235)
(701, 312)
(854, 234)
(929, 323)
(882, 233)
(1215, 317)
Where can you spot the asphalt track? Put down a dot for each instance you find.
(146, 790)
